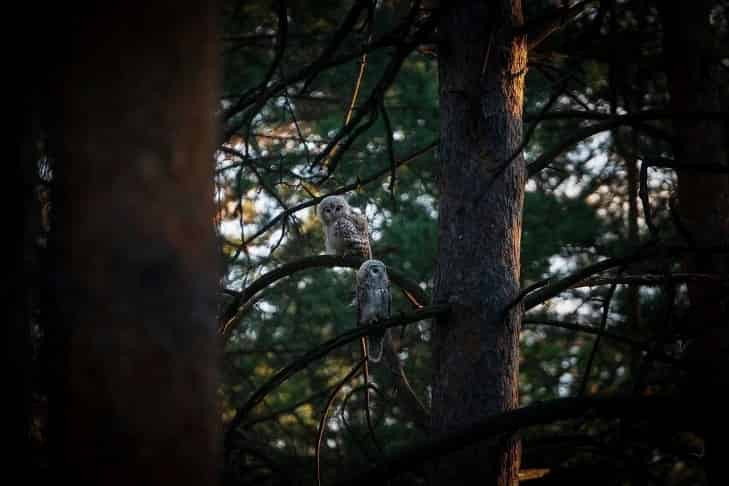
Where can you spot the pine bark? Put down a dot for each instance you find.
(481, 73)
(694, 83)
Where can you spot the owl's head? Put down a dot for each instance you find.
(331, 208)
(372, 271)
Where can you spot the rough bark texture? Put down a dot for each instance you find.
(135, 258)
(694, 81)
(481, 68)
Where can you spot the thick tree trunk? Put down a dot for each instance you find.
(135, 259)
(694, 81)
(481, 68)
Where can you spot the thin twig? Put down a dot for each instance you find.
(325, 414)
(596, 343)
(537, 33)
(645, 200)
(320, 351)
(349, 187)
(390, 150)
(645, 252)
(367, 385)
(288, 269)
(586, 329)
(660, 410)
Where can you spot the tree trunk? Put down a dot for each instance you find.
(134, 250)
(481, 68)
(694, 82)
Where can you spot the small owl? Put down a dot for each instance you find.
(373, 302)
(345, 230)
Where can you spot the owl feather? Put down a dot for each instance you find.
(373, 303)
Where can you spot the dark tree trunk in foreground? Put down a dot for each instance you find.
(21, 229)
(694, 80)
(136, 269)
(481, 68)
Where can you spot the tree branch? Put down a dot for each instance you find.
(581, 277)
(649, 280)
(586, 329)
(325, 415)
(261, 93)
(548, 291)
(645, 115)
(288, 269)
(349, 187)
(596, 343)
(538, 31)
(320, 351)
(608, 122)
(656, 409)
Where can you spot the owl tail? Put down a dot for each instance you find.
(375, 348)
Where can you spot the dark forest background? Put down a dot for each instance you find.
(172, 316)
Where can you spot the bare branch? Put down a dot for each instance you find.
(552, 290)
(407, 397)
(288, 269)
(325, 414)
(582, 276)
(699, 166)
(349, 187)
(649, 280)
(337, 40)
(579, 135)
(390, 148)
(596, 344)
(292, 407)
(663, 410)
(319, 352)
(538, 31)
(645, 115)
(586, 329)
(609, 122)
(261, 92)
(645, 200)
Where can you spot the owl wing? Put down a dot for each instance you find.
(389, 301)
(353, 242)
(377, 340)
(361, 296)
(360, 222)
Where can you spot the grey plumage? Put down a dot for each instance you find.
(345, 230)
(373, 302)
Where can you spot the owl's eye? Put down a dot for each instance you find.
(374, 270)
(339, 208)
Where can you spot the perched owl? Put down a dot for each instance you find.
(373, 302)
(345, 230)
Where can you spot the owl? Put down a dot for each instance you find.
(373, 302)
(345, 229)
